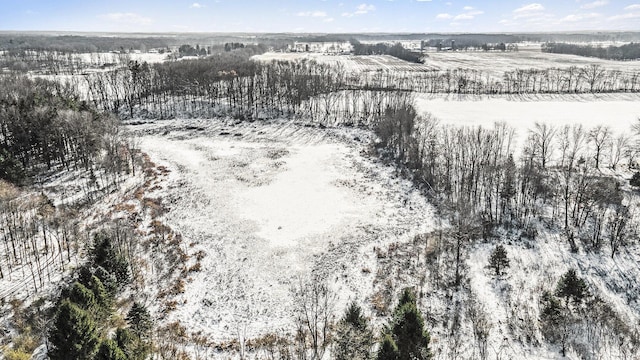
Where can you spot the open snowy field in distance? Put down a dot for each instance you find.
(618, 111)
(491, 63)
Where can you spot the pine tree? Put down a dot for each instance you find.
(388, 349)
(409, 334)
(73, 335)
(103, 300)
(81, 296)
(407, 338)
(140, 320)
(106, 256)
(353, 336)
(407, 297)
(108, 280)
(635, 179)
(132, 345)
(571, 286)
(109, 350)
(498, 260)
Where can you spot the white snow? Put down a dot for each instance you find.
(618, 111)
(303, 199)
(271, 206)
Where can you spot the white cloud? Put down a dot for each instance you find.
(196, 6)
(624, 16)
(579, 17)
(444, 16)
(312, 14)
(423, 0)
(469, 15)
(360, 10)
(633, 7)
(529, 8)
(365, 8)
(467, 8)
(328, 20)
(127, 18)
(463, 17)
(595, 4)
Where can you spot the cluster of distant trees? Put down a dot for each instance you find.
(230, 83)
(623, 52)
(188, 50)
(79, 44)
(396, 50)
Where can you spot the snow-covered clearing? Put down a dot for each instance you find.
(269, 203)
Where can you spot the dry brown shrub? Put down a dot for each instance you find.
(195, 267)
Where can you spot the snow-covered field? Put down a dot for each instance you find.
(492, 63)
(618, 111)
(269, 204)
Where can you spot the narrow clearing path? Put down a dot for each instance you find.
(269, 203)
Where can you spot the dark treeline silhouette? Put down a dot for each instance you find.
(80, 44)
(623, 52)
(396, 50)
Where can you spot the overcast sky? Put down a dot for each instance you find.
(319, 15)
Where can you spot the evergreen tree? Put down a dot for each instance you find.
(73, 335)
(409, 333)
(81, 296)
(407, 338)
(109, 350)
(353, 338)
(556, 320)
(108, 280)
(635, 179)
(407, 297)
(10, 168)
(103, 299)
(139, 320)
(498, 260)
(571, 286)
(105, 255)
(388, 349)
(132, 345)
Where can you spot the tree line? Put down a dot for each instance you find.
(231, 83)
(476, 177)
(395, 50)
(629, 51)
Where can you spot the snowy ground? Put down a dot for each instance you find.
(491, 63)
(618, 111)
(271, 203)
